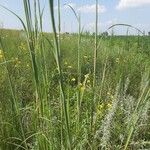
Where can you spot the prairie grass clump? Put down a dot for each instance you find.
(76, 91)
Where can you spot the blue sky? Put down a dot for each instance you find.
(133, 12)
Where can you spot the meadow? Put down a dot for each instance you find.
(72, 91)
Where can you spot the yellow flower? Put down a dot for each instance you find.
(82, 88)
(19, 62)
(88, 81)
(69, 67)
(117, 60)
(86, 76)
(65, 63)
(16, 66)
(109, 105)
(22, 46)
(1, 54)
(73, 79)
(100, 108)
(85, 57)
(16, 59)
(108, 93)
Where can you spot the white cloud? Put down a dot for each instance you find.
(83, 9)
(73, 5)
(91, 8)
(65, 6)
(123, 4)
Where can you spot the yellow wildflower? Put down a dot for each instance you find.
(109, 105)
(73, 79)
(108, 93)
(88, 81)
(16, 59)
(1, 54)
(22, 46)
(65, 63)
(16, 66)
(86, 76)
(19, 62)
(85, 57)
(82, 88)
(117, 60)
(69, 67)
(100, 108)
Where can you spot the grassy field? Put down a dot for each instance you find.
(55, 93)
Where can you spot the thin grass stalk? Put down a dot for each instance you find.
(57, 58)
(59, 24)
(96, 44)
(59, 43)
(103, 79)
(35, 20)
(127, 41)
(79, 54)
(94, 64)
(125, 25)
(79, 74)
(23, 24)
(28, 16)
(59, 17)
(31, 45)
(42, 46)
(38, 45)
(40, 15)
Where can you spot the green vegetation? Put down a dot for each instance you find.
(72, 91)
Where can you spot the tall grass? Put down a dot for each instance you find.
(62, 90)
(54, 105)
(95, 64)
(96, 42)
